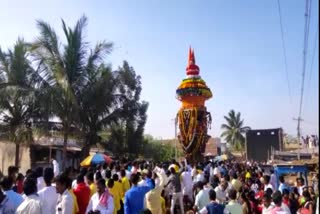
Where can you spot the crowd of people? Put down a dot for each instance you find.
(310, 142)
(145, 187)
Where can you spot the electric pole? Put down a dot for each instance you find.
(175, 120)
(299, 119)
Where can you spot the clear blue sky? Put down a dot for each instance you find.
(237, 46)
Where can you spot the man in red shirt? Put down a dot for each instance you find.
(82, 192)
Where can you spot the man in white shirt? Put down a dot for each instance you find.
(221, 191)
(101, 201)
(266, 182)
(65, 200)
(279, 207)
(267, 206)
(40, 181)
(32, 203)
(202, 197)
(48, 195)
(187, 184)
(300, 185)
(216, 171)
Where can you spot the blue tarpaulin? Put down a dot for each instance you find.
(285, 169)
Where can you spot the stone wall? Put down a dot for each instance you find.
(7, 157)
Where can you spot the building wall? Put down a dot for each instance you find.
(7, 157)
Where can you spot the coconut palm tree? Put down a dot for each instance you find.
(234, 130)
(71, 67)
(20, 84)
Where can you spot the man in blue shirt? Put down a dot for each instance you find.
(134, 197)
(6, 184)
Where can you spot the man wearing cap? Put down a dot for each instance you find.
(175, 183)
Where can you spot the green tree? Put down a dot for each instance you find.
(133, 111)
(234, 130)
(68, 68)
(20, 84)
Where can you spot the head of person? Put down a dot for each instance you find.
(281, 179)
(30, 186)
(104, 166)
(101, 186)
(6, 183)
(234, 175)
(134, 179)
(30, 173)
(89, 177)
(244, 198)
(311, 190)
(12, 172)
(172, 170)
(62, 183)
(277, 198)
(115, 177)
(20, 177)
(295, 190)
(146, 211)
(97, 176)
(80, 179)
(123, 173)
(212, 195)
(266, 179)
(300, 182)
(285, 194)
(200, 185)
(232, 194)
(227, 177)
(39, 172)
(266, 200)
(83, 171)
(108, 174)
(48, 175)
(110, 183)
(306, 195)
(224, 184)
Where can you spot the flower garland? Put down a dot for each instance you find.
(192, 123)
(201, 92)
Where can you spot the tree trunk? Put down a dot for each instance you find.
(64, 154)
(85, 150)
(17, 162)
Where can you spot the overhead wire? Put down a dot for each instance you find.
(304, 58)
(312, 61)
(284, 52)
